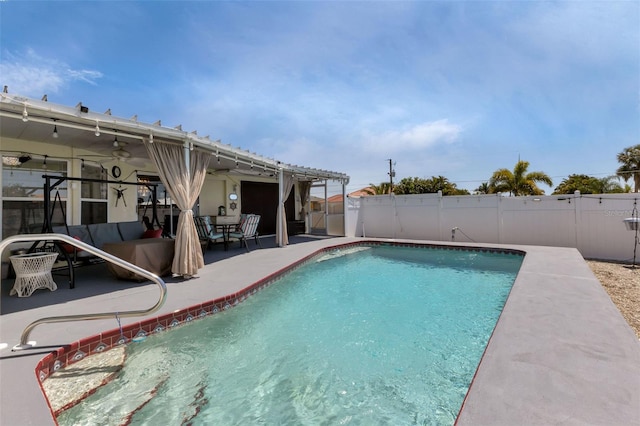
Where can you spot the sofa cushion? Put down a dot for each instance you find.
(59, 229)
(81, 232)
(102, 233)
(130, 230)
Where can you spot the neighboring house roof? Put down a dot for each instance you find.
(361, 192)
(23, 118)
(355, 194)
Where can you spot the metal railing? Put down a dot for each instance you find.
(24, 339)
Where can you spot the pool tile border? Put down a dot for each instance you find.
(67, 355)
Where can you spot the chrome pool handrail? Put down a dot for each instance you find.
(24, 339)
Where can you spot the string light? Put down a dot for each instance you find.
(25, 115)
(55, 131)
(44, 163)
(97, 129)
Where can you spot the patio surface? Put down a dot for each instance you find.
(561, 352)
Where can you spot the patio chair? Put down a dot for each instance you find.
(206, 232)
(248, 229)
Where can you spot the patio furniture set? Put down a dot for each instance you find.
(126, 240)
(225, 228)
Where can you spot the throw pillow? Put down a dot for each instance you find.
(152, 233)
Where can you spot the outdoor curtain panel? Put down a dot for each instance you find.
(184, 186)
(287, 184)
(305, 190)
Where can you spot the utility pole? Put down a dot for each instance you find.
(392, 173)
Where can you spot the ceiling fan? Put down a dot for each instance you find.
(120, 152)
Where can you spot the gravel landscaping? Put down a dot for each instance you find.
(622, 283)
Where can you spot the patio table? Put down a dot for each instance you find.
(33, 271)
(153, 254)
(226, 228)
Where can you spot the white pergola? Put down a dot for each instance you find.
(37, 120)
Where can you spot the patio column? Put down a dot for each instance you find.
(279, 229)
(344, 208)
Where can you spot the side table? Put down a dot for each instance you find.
(33, 271)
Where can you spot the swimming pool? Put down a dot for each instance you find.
(363, 336)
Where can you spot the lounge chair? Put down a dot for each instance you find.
(206, 232)
(248, 228)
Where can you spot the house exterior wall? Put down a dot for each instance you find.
(591, 223)
(73, 156)
(215, 191)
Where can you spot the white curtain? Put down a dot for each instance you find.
(184, 186)
(287, 184)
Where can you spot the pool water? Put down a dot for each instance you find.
(376, 335)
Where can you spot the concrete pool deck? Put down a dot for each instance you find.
(561, 352)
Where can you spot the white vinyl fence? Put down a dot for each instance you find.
(594, 224)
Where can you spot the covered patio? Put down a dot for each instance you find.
(202, 176)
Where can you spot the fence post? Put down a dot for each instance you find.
(578, 218)
(499, 216)
(392, 201)
(440, 233)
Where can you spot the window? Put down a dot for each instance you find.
(94, 200)
(23, 193)
(164, 203)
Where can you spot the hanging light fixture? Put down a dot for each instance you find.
(97, 129)
(44, 163)
(55, 131)
(120, 153)
(25, 115)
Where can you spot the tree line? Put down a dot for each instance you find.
(520, 181)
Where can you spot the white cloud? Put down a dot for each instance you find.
(88, 76)
(589, 32)
(32, 75)
(416, 138)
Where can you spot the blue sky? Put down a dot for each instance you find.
(457, 89)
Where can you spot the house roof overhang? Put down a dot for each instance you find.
(34, 120)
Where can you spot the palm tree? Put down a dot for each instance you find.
(589, 185)
(382, 189)
(484, 188)
(630, 160)
(519, 182)
(608, 185)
